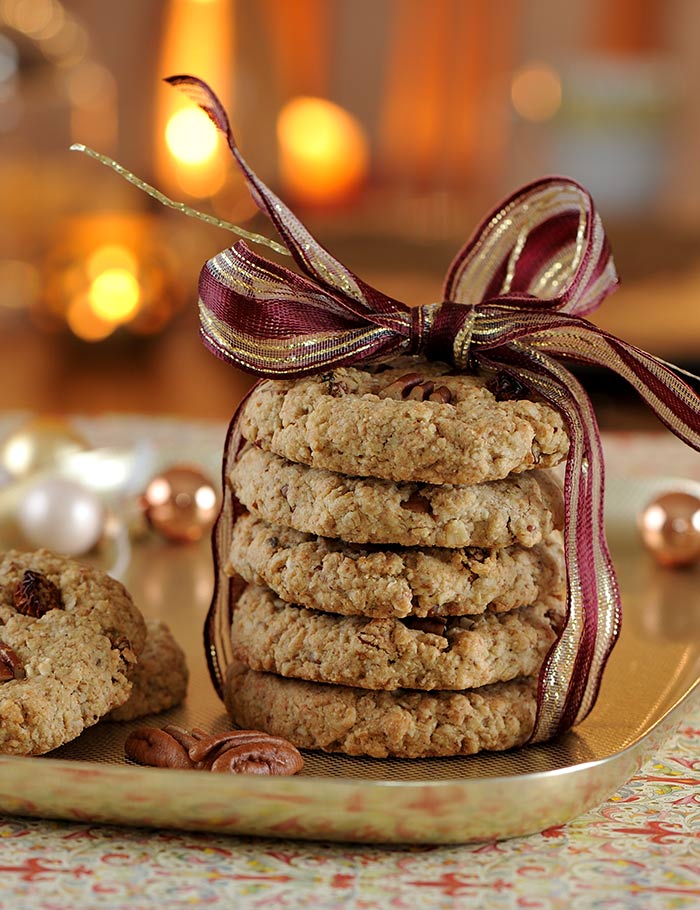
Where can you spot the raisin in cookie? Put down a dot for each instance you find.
(402, 724)
(159, 680)
(463, 429)
(523, 509)
(461, 652)
(383, 581)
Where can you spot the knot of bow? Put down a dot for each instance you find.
(515, 300)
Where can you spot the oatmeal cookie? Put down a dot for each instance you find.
(85, 591)
(462, 652)
(402, 724)
(383, 581)
(462, 428)
(159, 679)
(69, 637)
(523, 509)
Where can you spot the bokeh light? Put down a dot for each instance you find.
(191, 136)
(114, 295)
(324, 152)
(536, 92)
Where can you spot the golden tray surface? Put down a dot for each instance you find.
(650, 678)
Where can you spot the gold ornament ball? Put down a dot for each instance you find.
(670, 528)
(180, 503)
(38, 444)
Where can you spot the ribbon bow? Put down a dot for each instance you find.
(514, 301)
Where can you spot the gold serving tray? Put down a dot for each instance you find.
(651, 676)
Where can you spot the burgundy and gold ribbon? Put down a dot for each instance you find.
(514, 301)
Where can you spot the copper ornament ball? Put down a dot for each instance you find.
(180, 503)
(670, 528)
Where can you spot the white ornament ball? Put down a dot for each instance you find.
(62, 515)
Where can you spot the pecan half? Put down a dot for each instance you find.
(247, 752)
(402, 386)
(412, 386)
(237, 751)
(35, 594)
(505, 387)
(151, 746)
(441, 394)
(11, 667)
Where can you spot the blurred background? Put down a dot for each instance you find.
(391, 126)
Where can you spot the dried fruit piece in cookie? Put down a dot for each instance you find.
(411, 421)
(523, 509)
(35, 594)
(383, 581)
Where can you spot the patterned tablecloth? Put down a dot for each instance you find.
(641, 849)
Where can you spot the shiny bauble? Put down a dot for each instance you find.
(670, 529)
(39, 444)
(61, 515)
(180, 503)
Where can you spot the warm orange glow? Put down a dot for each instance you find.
(536, 92)
(114, 295)
(197, 38)
(84, 322)
(110, 256)
(323, 150)
(191, 136)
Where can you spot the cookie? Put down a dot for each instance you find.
(66, 651)
(523, 509)
(329, 575)
(402, 724)
(406, 421)
(85, 591)
(461, 652)
(159, 680)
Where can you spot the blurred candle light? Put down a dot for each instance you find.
(114, 295)
(191, 136)
(197, 38)
(110, 271)
(324, 155)
(536, 92)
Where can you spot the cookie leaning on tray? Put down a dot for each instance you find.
(365, 627)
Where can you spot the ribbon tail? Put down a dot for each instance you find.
(673, 401)
(571, 675)
(311, 256)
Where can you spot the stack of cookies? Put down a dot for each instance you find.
(403, 557)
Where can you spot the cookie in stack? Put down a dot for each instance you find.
(403, 559)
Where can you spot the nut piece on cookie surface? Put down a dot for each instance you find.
(11, 666)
